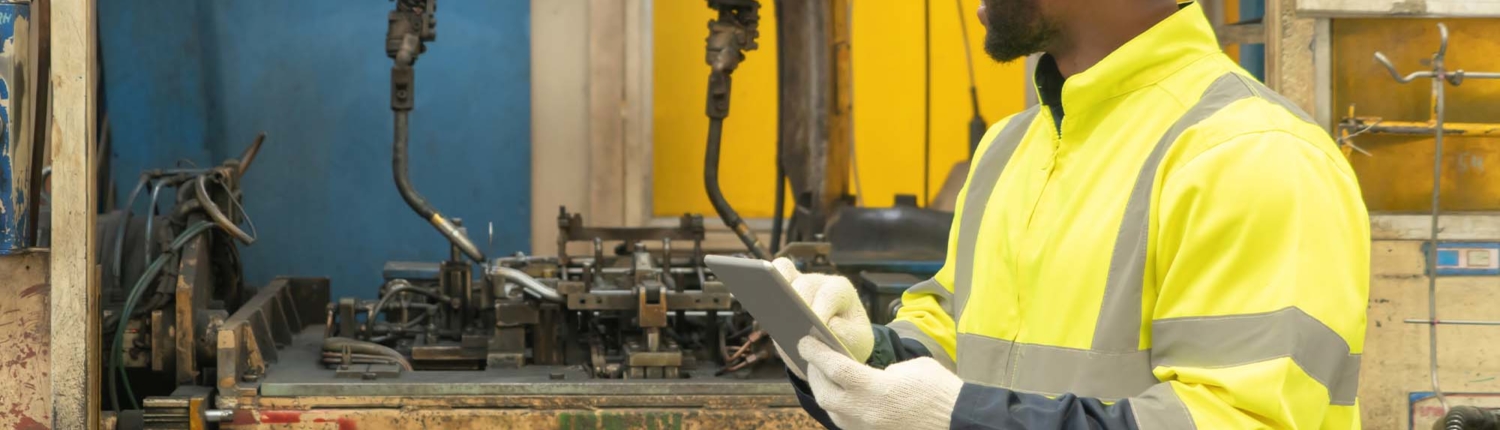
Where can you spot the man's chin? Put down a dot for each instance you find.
(1007, 53)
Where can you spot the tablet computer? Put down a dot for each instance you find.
(774, 303)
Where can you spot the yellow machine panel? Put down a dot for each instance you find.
(1397, 175)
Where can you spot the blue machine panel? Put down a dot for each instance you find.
(1466, 258)
(197, 80)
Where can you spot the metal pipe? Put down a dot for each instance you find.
(626, 270)
(1451, 322)
(1437, 178)
(778, 217)
(399, 286)
(1415, 128)
(249, 155)
(419, 203)
(716, 196)
(337, 344)
(529, 284)
(1478, 75)
(217, 215)
(783, 122)
(218, 415)
(1440, 76)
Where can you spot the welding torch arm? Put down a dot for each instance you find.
(419, 203)
(402, 88)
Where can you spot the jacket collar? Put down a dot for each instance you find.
(1169, 46)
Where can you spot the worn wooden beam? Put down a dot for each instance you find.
(1406, 8)
(74, 301)
(1290, 66)
(606, 123)
(636, 114)
(25, 388)
(559, 116)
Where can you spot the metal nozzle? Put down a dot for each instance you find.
(457, 237)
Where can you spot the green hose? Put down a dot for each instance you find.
(117, 352)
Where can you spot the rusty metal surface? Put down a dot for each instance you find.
(192, 293)
(25, 328)
(1398, 177)
(570, 419)
(248, 340)
(299, 374)
(625, 300)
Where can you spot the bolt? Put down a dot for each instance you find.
(250, 377)
(369, 376)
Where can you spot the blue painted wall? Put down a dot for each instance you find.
(1253, 56)
(196, 80)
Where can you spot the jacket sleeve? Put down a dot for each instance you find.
(1262, 262)
(926, 314)
(1261, 269)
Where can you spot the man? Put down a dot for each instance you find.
(1163, 243)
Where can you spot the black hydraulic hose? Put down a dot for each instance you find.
(419, 203)
(779, 217)
(716, 196)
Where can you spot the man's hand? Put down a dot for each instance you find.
(910, 395)
(835, 302)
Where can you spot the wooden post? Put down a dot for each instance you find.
(1290, 67)
(559, 109)
(606, 122)
(636, 114)
(74, 302)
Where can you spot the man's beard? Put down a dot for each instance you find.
(1016, 29)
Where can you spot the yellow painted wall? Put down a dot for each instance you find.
(888, 103)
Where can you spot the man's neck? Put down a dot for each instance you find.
(1092, 34)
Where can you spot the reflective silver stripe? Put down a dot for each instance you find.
(1051, 370)
(1160, 408)
(907, 330)
(984, 360)
(1115, 367)
(931, 287)
(1118, 328)
(1228, 341)
(981, 184)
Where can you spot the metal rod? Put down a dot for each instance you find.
(1451, 322)
(1441, 77)
(528, 283)
(1414, 128)
(624, 270)
(1438, 99)
(1480, 75)
(217, 215)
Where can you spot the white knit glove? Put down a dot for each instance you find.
(911, 395)
(834, 300)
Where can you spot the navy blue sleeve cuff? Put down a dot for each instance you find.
(988, 408)
(810, 404)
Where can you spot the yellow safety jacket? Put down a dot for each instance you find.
(1184, 241)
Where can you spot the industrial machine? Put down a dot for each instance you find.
(634, 323)
(622, 325)
(169, 280)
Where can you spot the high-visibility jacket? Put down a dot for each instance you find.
(1169, 245)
